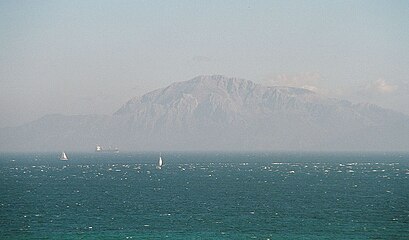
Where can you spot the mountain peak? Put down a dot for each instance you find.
(212, 82)
(236, 93)
(217, 79)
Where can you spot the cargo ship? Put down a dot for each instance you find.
(100, 149)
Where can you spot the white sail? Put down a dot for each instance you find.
(63, 156)
(160, 162)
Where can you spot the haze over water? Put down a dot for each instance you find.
(205, 196)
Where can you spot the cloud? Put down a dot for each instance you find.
(380, 86)
(385, 93)
(368, 92)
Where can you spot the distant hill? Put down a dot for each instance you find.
(221, 113)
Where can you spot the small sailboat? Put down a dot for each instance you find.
(160, 162)
(63, 156)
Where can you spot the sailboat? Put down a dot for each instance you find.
(160, 162)
(63, 156)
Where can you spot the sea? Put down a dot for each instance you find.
(204, 195)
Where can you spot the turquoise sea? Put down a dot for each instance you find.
(205, 196)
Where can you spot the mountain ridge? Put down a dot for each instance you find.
(214, 112)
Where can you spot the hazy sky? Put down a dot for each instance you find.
(79, 57)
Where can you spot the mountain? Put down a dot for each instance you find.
(221, 113)
(55, 132)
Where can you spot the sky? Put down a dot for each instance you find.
(90, 57)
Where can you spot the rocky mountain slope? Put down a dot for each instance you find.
(221, 113)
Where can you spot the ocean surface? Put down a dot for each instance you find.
(205, 196)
